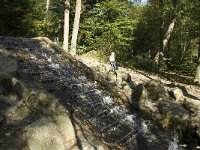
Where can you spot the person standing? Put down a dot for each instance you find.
(112, 61)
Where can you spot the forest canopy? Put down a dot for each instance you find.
(158, 35)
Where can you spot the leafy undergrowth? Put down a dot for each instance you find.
(184, 75)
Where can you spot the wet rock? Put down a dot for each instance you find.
(1, 118)
(8, 134)
(86, 140)
(20, 88)
(5, 84)
(1, 46)
(170, 108)
(16, 114)
(177, 94)
(24, 75)
(8, 65)
(195, 121)
(4, 104)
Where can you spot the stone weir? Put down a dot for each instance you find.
(95, 107)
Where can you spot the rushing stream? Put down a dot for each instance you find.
(116, 125)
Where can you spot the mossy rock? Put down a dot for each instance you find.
(156, 90)
(172, 122)
(170, 108)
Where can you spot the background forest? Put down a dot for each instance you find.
(159, 35)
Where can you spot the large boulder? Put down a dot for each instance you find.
(19, 101)
(45, 134)
(11, 105)
(192, 104)
(147, 96)
(21, 90)
(177, 94)
(170, 108)
(156, 90)
(153, 100)
(66, 129)
(140, 96)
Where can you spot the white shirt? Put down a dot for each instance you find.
(112, 58)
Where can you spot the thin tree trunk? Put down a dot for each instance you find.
(185, 49)
(66, 26)
(45, 27)
(47, 6)
(164, 42)
(158, 54)
(168, 33)
(75, 27)
(197, 75)
(161, 26)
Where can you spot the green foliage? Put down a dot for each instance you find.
(46, 24)
(143, 62)
(147, 31)
(132, 30)
(12, 15)
(107, 27)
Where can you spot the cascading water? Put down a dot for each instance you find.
(114, 124)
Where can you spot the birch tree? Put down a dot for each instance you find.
(168, 34)
(197, 75)
(47, 6)
(164, 40)
(75, 27)
(66, 26)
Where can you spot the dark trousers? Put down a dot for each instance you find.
(113, 65)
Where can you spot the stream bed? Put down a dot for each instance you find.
(114, 124)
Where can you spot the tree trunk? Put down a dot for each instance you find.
(158, 54)
(163, 44)
(161, 25)
(47, 6)
(185, 49)
(75, 27)
(168, 33)
(66, 26)
(197, 76)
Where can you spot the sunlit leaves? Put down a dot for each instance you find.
(108, 26)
